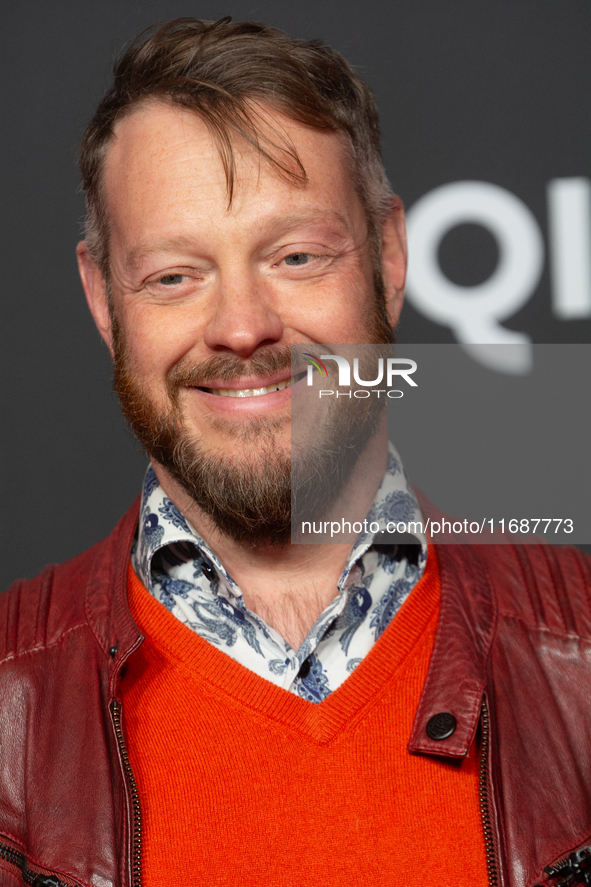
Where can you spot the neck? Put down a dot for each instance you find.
(289, 586)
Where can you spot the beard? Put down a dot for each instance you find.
(251, 499)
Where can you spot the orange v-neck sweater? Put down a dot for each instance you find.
(244, 783)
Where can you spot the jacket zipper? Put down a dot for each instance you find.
(489, 844)
(32, 876)
(575, 869)
(136, 840)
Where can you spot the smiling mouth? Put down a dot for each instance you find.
(255, 392)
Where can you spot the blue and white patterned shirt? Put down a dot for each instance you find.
(180, 570)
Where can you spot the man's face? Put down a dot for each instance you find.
(209, 297)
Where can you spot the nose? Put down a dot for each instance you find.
(245, 317)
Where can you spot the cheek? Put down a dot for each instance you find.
(158, 339)
(342, 316)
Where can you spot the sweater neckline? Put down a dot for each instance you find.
(217, 674)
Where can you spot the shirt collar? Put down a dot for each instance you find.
(162, 524)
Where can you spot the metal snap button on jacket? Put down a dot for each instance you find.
(441, 725)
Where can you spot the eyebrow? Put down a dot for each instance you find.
(168, 244)
(279, 222)
(277, 225)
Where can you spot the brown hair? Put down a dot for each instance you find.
(221, 70)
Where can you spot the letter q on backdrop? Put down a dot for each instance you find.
(474, 312)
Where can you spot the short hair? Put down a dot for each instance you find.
(221, 70)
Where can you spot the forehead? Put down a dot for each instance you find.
(164, 161)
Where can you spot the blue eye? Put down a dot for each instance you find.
(297, 259)
(171, 279)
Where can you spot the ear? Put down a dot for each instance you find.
(394, 259)
(96, 293)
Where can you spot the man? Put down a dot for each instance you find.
(195, 699)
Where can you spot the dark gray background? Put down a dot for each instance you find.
(495, 91)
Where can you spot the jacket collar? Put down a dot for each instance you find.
(107, 606)
(457, 671)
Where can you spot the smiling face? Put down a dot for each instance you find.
(207, 298)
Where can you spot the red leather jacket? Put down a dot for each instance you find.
(511, 662)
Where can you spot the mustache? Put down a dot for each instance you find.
(227, 367)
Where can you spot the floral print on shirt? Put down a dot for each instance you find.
(180, 570)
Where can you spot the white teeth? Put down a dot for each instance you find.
(251, 392)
